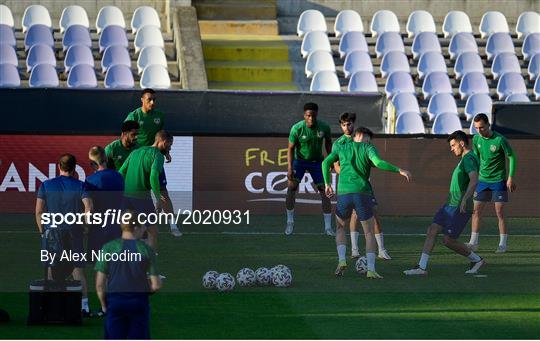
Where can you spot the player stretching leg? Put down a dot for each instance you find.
(304, 154)
(454, 215)
(491, 148)
(354, 192)
(346, 122)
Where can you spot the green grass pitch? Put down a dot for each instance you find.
(447, 304)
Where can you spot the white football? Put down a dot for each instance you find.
(361, 265)
(282, 278)
(225, 282)
(263, 276)
(278, 268)
(209, 279)
(246, 277)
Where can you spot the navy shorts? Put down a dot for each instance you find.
(361, 203)
(128, 317)
(140, 205)
(162, 178)
(73, 240)
(452, 220)
(491, 192)
(300, 167)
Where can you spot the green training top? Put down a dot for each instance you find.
(141, 172)
(356, 160)
(460, 180)
(343, 139)
(491, 151)
(128, 275)
(150, 123)
(308, 142)
(117, 154)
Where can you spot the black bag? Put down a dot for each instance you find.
(55, 302)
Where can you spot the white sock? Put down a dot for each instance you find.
(370, 261)
(502, 239)
(423, 261)
(173, 226)
(380, 240)
(84, 304)
(474, 257)
(354, 240)
(342, 252)
(474, 238)
(290, 216)
(327, 221)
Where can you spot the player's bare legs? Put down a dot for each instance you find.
(152, 237)
(327, 211)
(476, 218)
(78, 275)
(292, 187)
(341, 245)
(383, 254)
(371, 246)
(167, 207)
(503, 234)
(451, 243)
(355, 253)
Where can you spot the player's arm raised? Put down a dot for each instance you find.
(327, 175)
(387, 166)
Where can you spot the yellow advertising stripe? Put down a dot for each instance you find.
(249, 71)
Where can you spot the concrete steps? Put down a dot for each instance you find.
(276, 86)
(239, 27)
(235, 9)
(249, 71)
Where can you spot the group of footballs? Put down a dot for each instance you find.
(279, 276)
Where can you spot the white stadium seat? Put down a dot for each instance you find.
(315, 40)
(384, 21)
(493, 22)
(143, 16)
(528, 22)
(319, 61)
(311, 20)
(155, 76)
(73, 15)
(347, 21)
(456, 22)
(148, 36)
(409, 123)
(35, 14)
(420, 21)
(325, 81)
(446, 123)
(151, 55)
(6, 17)
(109, 15)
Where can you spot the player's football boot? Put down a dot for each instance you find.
(86, 313)
(373, 275)
(290, 228)
(355, 253)
(340, 270)
(417, 270)
(101, 313)
(383, 254)
(472, 247)
(473, 269)
(175, 231)
(330, 232)
(501, 249)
